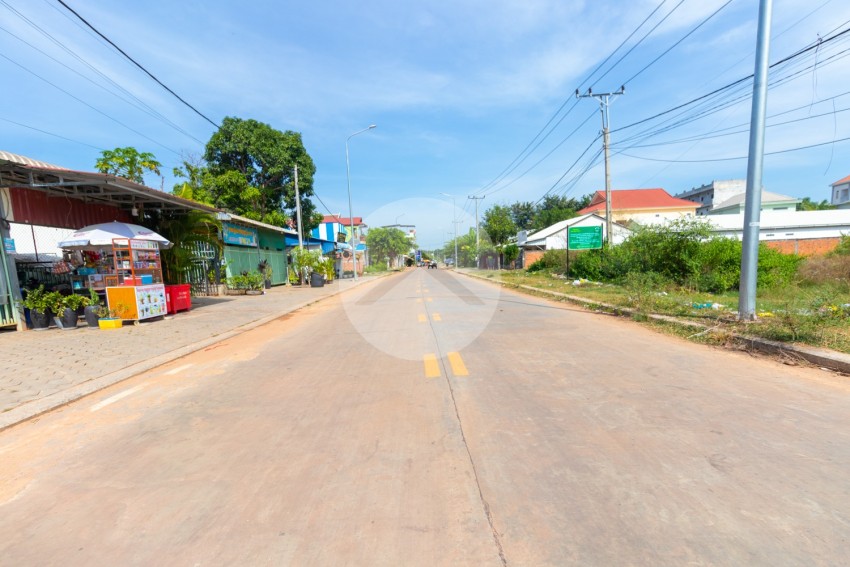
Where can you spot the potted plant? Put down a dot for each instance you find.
(237, 285)
(327, 269)
(254, 282)
(111, 318)
(38, 302)
(69, 311)
(90, 312)
(265, 268)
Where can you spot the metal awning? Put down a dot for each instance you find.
(100, 188)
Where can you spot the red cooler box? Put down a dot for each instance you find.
(178, 298)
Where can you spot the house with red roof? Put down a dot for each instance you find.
(643, 206)
(841, 193)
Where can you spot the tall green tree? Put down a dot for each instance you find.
(387, 243)
(128, 163)
(499, 225)
(522, 213)
(250, 171)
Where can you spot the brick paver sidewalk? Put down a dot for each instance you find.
(39, 365)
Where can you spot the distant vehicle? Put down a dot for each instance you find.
(449, 261)
(432, 264)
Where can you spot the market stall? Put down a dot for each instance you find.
(122, 262)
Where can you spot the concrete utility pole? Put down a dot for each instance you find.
(477, 228)
(298, 210)
(604, 102)
(752, 204)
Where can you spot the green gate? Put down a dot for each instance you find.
(241, 259)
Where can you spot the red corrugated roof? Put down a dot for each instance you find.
(343, 220)
(840, 181)
(636, 199)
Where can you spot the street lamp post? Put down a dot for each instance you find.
(350, 210)
(454, 221)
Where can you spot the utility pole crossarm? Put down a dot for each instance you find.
(604, 103)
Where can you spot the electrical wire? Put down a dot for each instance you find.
(137, 64)
(22, 125)
(528, 149)
(141, 107)
(777, 152)
(81, 101)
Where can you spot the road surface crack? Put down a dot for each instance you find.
(484, 504)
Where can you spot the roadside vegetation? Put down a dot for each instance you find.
(677, 270)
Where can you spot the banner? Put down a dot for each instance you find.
(239, 235)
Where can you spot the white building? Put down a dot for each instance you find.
(728, 196)
(799, 232)
(555, 237)
(841, 193)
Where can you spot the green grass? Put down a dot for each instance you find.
(807, 314)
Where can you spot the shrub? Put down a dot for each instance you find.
(644, 289)
(843, 248)
(719, 263)
(551, 260)
(775, 268)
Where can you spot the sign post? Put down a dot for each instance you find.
(583, 238)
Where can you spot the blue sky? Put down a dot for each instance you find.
(457, 90)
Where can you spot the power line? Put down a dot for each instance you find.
(683, 38)
(525, 153)
(142, 106)
(48, 133)
(632, 48)
(88, 105)
(730, 85)
(137, 64)
(785, 151)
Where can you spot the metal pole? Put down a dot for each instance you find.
(454, 221)
(298, 210)
(477, 231)
(350, 210)
(604, 104)
(10, 275)
(607, 184)
(752, 206)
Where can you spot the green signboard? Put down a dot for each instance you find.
(585, 237)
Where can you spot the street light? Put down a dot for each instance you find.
(396, 219)
(454, 221)
(350, 211)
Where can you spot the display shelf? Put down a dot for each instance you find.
(137, 262)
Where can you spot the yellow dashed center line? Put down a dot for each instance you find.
(418, 300)
(429, 299)
(422, 318)
(436, 317)
(458, 367)
(432, 368)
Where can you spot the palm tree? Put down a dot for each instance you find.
(189, 233)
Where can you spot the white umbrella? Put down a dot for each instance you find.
(100, 235)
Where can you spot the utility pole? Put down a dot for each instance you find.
(752, 203)
(298, 209)
(477, 228)
(604, 102)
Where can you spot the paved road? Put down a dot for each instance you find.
(430, 419)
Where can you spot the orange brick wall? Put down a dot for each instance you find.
(531, 256)
(808, 247)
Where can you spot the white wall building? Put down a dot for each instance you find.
(841, 193)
